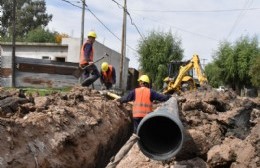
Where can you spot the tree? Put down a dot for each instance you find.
(41, 35)
(59, 36)
(213, 73)
(30, 14)
(235, 65)
(254, 72)
(156, 51)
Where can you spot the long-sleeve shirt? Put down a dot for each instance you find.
(113, 76)
(154, 96)
(87, 51)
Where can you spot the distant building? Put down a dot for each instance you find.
(68, 51)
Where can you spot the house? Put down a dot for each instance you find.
(42, 57)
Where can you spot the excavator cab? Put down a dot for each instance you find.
(181, 77)
(187, 83)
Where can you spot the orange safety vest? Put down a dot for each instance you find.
(142, 104)
(108, 74)
(82, 60)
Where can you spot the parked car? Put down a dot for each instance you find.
(221, 89)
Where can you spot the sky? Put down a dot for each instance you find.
(201, 25)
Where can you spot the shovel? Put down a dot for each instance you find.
(78, 72)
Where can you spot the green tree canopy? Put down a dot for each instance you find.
(235, 65)
(40, 35)
(156, 51)
(213, 74)
(254, 71)
(30, 14)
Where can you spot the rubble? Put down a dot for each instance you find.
(83, 128)
(222, 130)
(78, 129)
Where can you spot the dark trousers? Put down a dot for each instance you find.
(108, 85)
(136, 123)
(90, 75)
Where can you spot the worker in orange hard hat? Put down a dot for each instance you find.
(91, 73)
(108, 76)
(143, 97)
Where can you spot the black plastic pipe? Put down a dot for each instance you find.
(161, 132)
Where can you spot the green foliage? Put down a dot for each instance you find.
(235, 65)
(156, 51)
(160, 75)
(213, 73)
(40, 35)
(254, 72)
(30, 14)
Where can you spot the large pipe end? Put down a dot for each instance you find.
(161, 135)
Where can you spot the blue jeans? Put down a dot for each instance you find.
(90, 75)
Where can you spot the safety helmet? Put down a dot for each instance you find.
(92, 34)
(144, 78)
(104, 66)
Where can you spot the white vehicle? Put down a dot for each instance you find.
(221, 89)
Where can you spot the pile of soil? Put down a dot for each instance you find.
(84, 128)
(222, 130)
(81, 128)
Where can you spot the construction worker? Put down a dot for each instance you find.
(143, 97)
(108, 76)
(91, 73)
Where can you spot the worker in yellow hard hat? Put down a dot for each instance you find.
(108, 76)
(143, 97)
(86, 60)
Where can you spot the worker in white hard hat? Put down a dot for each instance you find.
(143, 97)
(108, 76)
(91, 73)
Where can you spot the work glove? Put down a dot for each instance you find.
(118, 102)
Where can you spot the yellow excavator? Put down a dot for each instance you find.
(181, 78)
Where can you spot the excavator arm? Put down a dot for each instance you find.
(183, 77)
(198, 69)
(176, 84)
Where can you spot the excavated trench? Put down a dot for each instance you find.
(83, 128)
(221, 130)
(79, 129)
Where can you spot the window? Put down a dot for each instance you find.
(46, 57)
(60, 59)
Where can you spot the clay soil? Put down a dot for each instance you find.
(83, 128)
(222, 131)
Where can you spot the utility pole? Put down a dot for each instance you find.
(203, 62)
(82, 22)
(123, 46)
(13, 43)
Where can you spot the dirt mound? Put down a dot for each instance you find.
(81, 128)
(222, 130)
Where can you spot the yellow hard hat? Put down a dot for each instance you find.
(104, 66)
(92, 34)
(144, 78)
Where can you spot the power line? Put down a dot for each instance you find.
(71, 4)
(181, 29)
(239, 17)
(134, 24)
(195, 11)
(120, 6)
(96, 18)
(107, 27)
